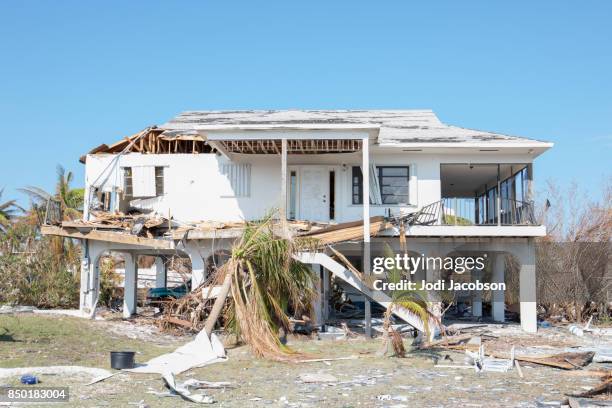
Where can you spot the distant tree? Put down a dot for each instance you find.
(70, 199)
(8, 211)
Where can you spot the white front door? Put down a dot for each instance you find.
(314, 203)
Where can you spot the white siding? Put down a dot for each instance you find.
(210, 187)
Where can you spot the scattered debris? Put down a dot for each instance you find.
(604, 387)
(54, 370)
(7, 309)
(183, 390)
(317, 378)
(387, 397)
(200, 384)
(197, 353)
(318, 360)
(28, 379)
(347, 231)
(518, 368)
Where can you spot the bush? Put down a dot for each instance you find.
(38, 271)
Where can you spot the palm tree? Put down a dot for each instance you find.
(265, 282)
(70, 199)
(8, 211)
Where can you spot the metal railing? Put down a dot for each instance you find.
(469, 211)
(515, 212)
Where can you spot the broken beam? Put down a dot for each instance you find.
(107, 236)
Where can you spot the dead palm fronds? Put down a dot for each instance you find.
(266, 283)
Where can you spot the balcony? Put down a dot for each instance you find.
(479, 200)
(460, 211)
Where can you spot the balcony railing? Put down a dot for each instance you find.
(469, 211)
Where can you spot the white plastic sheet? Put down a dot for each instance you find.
(197, 353)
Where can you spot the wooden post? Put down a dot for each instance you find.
(365, 160)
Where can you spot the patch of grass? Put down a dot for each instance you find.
(35, 340)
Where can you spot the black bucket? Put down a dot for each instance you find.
(122, 359)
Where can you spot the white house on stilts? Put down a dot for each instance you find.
(472, 191)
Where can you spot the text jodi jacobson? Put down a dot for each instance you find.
(404, 263)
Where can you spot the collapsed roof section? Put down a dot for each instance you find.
(154, 140)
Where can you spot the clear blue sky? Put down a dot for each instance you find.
(74, 74)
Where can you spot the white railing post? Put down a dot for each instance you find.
(365, 166)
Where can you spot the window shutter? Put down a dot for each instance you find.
(143, 181)
(239, 176)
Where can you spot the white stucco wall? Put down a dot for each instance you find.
(196, 190)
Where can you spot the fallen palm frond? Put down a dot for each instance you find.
(266, 284)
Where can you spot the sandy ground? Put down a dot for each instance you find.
(367, 380)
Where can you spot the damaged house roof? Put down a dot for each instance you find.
(394, 126)
(186, 133)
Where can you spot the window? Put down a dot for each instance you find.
(292, 195)
(332, 194)
(128, 181)
(393, 182)
(159, 181)
(357, 185)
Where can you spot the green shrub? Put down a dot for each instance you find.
(37, 270)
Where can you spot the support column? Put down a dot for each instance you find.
(161, 272)
(477, 294)
(433, 275)
(498, 198)
(198, 271)
(326, 293)
(90, 276)
(498, 296)
(130, 285)
(317, 310)
(527, 276)
(197, 254)
(283, 205)
(365, 172)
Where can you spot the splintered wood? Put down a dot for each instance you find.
(155, 141)
(347, 231)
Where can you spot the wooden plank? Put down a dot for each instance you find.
(179, 322)
(89, 226)
(107, 236)
(347, 231)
